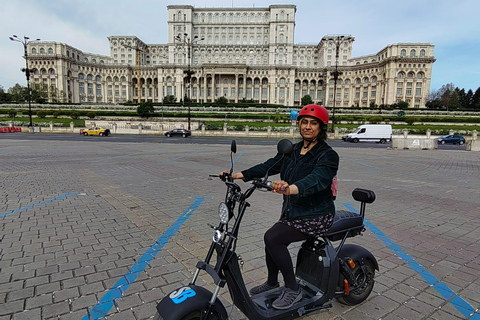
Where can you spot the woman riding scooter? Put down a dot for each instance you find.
(308, 209)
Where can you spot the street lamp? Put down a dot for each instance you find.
(188, 42)
(24, 42)
(338, 40)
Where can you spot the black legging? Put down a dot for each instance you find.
(277, 239)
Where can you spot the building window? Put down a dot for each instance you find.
(422, 53)
(403, 53)
(413, 53)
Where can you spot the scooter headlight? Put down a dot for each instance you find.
(223, 213)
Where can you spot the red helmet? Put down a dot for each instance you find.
(315, 111)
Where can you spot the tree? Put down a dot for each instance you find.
(4, 96)
(306, 99)
(145, 109)
(18, 93)
(169, 99)
(39, 92)
(476, 99)
(221, 101)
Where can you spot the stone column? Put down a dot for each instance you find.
(429, 132)
(71, 126)
(51, 125)
(247, 130)
(225, 128)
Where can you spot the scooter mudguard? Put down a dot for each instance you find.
(185, 300)
(357, 253)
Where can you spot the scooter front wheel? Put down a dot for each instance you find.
(195, 315)
(358, 295)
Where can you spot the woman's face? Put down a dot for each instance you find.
(309, 127)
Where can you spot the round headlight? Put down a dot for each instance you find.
(223, 213)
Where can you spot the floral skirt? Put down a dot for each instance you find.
(316, 227)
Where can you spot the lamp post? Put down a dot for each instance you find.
(24, 42)
(338, 40)
(188, 42)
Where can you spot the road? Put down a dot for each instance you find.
(195, 140)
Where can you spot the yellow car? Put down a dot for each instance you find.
(96, 131)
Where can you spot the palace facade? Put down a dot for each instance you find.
(235, 53)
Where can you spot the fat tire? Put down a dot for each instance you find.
(359, 295)
(383, 141)
(355, 140)
(195, 315)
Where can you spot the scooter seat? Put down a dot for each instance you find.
(344, 221)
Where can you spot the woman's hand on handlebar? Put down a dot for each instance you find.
(237, 175)
(283, 187)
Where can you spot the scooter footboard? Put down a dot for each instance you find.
(186, 300)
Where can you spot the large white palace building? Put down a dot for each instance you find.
(236, 53)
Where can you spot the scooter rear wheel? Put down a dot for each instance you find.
(358, 295)
(195, 315)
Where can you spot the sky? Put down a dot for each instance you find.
(452, 26)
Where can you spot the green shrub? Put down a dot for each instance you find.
(75, 115)
(56, 114)
(41, 114)
(91, 115)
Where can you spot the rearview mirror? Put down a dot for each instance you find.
(233, 146)
(285, 147)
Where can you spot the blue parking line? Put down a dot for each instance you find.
(60, 197)
(448, 294)
(101, 309)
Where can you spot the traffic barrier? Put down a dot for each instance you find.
(10, 129)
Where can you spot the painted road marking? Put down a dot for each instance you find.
(448, 294)
(101, 309)
(60, 197)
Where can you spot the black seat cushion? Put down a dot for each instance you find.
(343, 221)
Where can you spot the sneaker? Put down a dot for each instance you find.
(264, 287)
(287, 299)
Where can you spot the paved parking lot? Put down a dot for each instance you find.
(88, 230)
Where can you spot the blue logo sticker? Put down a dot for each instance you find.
(182, 294)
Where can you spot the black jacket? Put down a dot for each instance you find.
(311, 173)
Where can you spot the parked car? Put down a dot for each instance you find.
(179, 132)
(380, 133)
(453, 139)
(96, 131)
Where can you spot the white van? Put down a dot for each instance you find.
(370, 132)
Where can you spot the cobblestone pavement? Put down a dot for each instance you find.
(77, 218)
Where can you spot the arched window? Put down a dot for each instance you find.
(410, 75)
(42, 50)
(98, 78)
(420, 75)
(34, 50)
(81, 76)
(413, 53)
(401, 75)
(282, 80)
(115, 79)
(89, 77)
(109, 79)
(365, 80)
(358, 81)
(123, 79)
(422, 53)
(50, 51)
(403, 53)
(374, 79)
(51, 71)
(43, 72)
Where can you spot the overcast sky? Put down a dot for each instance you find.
(452, 26)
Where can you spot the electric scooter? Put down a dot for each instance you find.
(324, 271)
